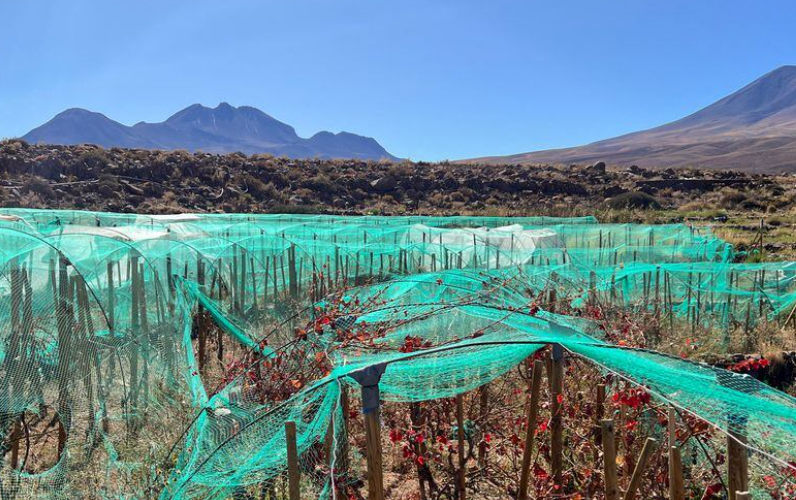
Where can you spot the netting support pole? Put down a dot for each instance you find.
(368, 378)
(609, 460)
(556, 423)
(111, 326)
(293, 275)
(600, 404)
(201, 332)
(336, 449)
(460, 437)
(599, 414)
(737, 465)
(635, 480)
(373, 448)
(65, 327)
(676, 488)
(482, 418)
(16, 437)
(293, 477)
(533, 413)
(14, 350)
(424, 476)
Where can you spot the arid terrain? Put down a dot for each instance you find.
(143, 181)
(127, 180)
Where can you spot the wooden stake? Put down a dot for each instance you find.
(292, 461)
(482, 418)
(672, 427)
(13, 353)
(737, 465)
(600, 407)
(460, 437)
(418, 419)
(556, 423)
(65, 327)
(641, 465)
(676, 488)
(135, 322)
(533, 413)
(742, 495)
(16, 437)
(292, 271)
(373, 452)
(341, 461)
(200, 318)
(609, 460)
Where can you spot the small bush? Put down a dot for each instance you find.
(36, 184)
(94, 159)
(732, 199)
(633, 199)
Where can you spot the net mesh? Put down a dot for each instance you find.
(160, 356)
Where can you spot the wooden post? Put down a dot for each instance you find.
(292, 461)
(200, 317)
(676, 488)
(533, 413)
(600, 406)
(65, 327)
(135, 322)
(609, 460)
(418, 419)
(460, 438)
(737, 465)
(292, 271)
(13, 352)
(641, 465)
(16, 437)
(599, 414)
(341, 461)
(482, 419)
(556, 423)
(373, 444)
(336, 450)
(742, 495)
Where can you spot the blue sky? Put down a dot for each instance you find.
(430, 79)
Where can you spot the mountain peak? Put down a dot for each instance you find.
(80, 113)
(222, 129)
(753, 128)
(757, 107)
(786, 68)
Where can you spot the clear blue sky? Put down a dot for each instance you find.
(430, 79)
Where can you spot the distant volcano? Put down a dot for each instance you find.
(752, 129)
(224, 129)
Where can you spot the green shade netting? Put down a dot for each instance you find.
(99, 317)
